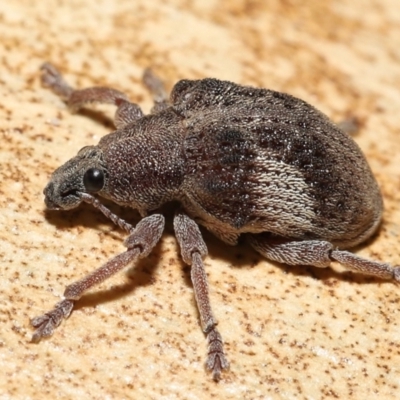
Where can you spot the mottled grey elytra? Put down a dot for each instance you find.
(241, 161)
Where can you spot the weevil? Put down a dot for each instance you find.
(241, 162)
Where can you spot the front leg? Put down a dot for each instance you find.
(126, 113)
(193, 249)
(139, 243)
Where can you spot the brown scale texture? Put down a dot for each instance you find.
(229, 126)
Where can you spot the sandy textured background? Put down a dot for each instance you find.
(291, 333)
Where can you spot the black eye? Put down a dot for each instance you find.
(93, 180)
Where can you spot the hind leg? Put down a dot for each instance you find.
(319, 253)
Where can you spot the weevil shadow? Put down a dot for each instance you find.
(139, 273)
(87, 216)
(241, 256)
(98, 116)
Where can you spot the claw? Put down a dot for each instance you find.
(216, 363)
(53, 79)
(216, 360)
(47, 323)
(396, 273)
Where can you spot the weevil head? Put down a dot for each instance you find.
(85, 173)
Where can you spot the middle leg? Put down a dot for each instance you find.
(156, 87)
(193, 249)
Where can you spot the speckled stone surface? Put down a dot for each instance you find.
(290, 333)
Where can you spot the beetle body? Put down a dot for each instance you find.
(241, 161)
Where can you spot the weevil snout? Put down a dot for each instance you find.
(48, 192)
(83, 173)
(56, 199)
